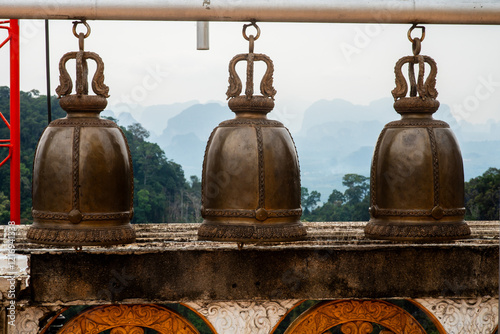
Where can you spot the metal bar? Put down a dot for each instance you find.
(341, 11)
(1, 164)
(47, 72)
(5, 121)
(15, 126)
(8, 36)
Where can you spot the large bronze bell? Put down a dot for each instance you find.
(417, 178)
(251, 176)
(82, 170)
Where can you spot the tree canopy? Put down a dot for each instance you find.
(351, 205)
(161, 193)
(482, 196)
(482, 199)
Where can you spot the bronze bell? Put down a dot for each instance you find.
(251, 176)
(82, 170)
(417, 178)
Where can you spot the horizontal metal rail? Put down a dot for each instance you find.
(341, 11)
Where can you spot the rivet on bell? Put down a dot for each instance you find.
(75, 216)
(256, 158)
(261, 214)
(437, 212)
(82, 170)
(417, 177)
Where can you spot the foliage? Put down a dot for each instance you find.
(482, 199)
(352, 205)
(357, 187)
(309, 201)
(33, 122)
(161, 193)
(4, 208)
(482, 196)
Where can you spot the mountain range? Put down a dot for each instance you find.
(336, 137)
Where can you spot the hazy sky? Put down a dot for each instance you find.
(151, 63)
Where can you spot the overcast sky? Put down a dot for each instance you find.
(151, 63)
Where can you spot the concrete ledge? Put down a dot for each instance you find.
(168, 264)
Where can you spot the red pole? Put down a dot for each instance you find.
(15, 126)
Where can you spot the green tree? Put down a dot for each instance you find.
(4, 208)
(162, 178)
(357, 187)
(352, 205)
(482, 196)
(309, 201)
(143, 207)
(193, 194)
(33, 122)
(336, 197)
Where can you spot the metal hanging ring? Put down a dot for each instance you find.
(75, 23)
(245, 26)
(416, 46)
(81, 38)
(413, 27)
(251, 44)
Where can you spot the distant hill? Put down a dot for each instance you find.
(155, 118)
(186, 135)
(336, 138)
(124, 119)
(338, 110)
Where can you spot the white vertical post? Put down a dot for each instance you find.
(202, 35)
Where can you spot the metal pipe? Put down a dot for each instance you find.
(341, 11)
(15, 125)
(47, 72)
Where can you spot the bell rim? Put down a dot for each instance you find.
(251, 233)
(417, 231)
(92, 236)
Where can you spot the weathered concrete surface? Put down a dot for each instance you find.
(261, 274)
(336, 262)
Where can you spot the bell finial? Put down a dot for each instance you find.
(426, 101)
(81, 100)
(258, 104)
